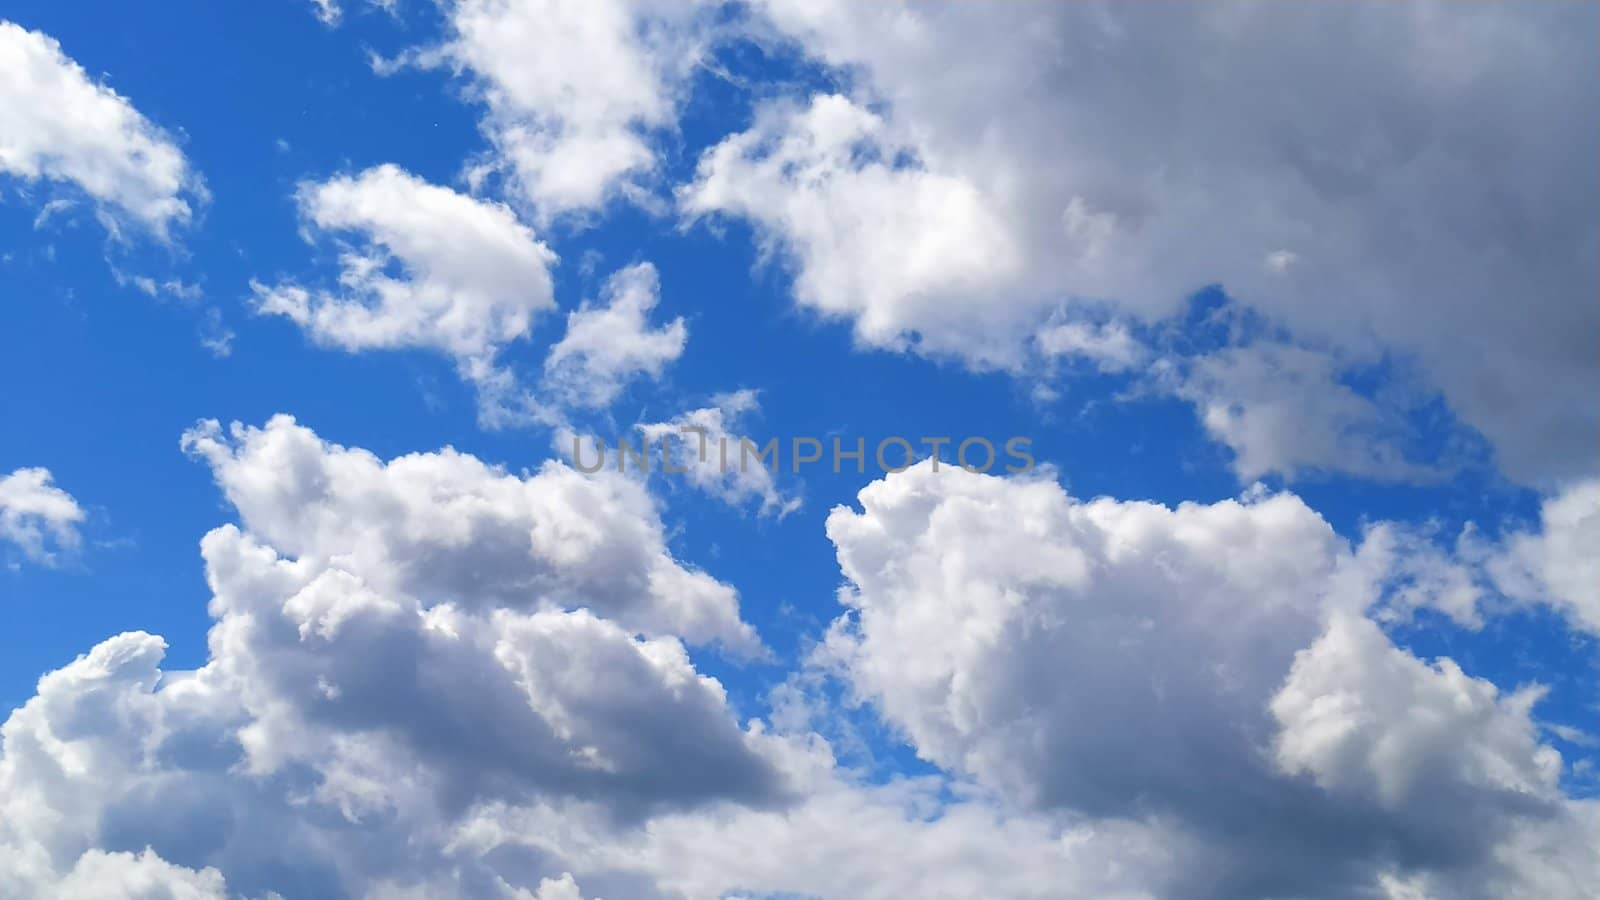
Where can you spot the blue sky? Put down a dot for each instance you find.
(1323, 311)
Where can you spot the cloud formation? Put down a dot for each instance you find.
(426, 268)
(429, 677)
(57, 124)
(395, 646)
(569, 135)
(1284, 409)
(609, 343)
(1209, 667)
(38, 517)
(1361, 174)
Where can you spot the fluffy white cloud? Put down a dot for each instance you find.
(422, 266)
(1415, 571)
(605, 345)
(1350, 719)
(144, 876)
(113, 753)
(1445, 755)
(445, 527)
(895, 247)
(1560, 563)
(1361, 173)
(397, 648)
(563, 888)
(424, 679)
(37, 516)
(568, 133)
(1127, 660)
(58, 124)
(1473, 576)
(88, 730)
(1027, 674)
(427, 268)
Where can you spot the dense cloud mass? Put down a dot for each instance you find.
(1124, 659)
(1329, 166)
(394, 644)
(429, 675)
(444, 527)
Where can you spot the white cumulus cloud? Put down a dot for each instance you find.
(37, 516)
(1131, 661)
(58, 124)
(396, 648)
(609, 343)
(570, 133)
(428, 677)
(426, 267)
(1559, 563)
(895, 247)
